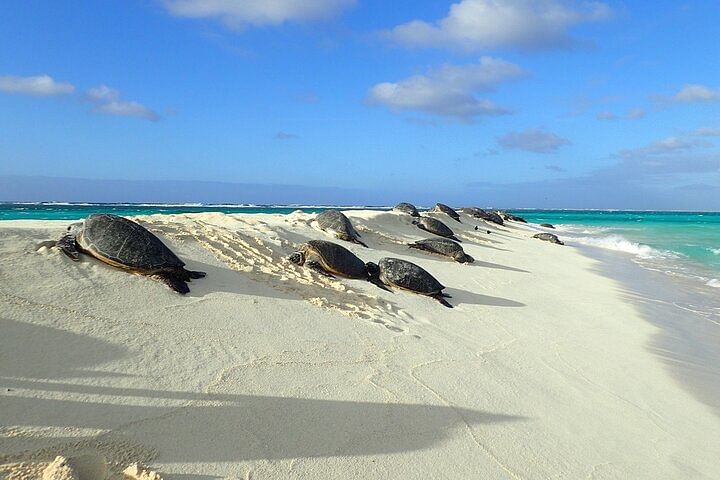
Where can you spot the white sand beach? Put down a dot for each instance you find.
(267, 370)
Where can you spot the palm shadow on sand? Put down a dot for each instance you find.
(187, 426)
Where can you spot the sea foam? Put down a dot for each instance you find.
(622, 244)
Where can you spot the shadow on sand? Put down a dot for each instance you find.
(195, 426)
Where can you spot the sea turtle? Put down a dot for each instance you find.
(408, 208)
(547, 225)
(405, 275)
(335, 222)
(125, 244)
(549, 237)
(435, 227)
(328, 258)
(510, 216)
(442, 208)
(484, 215)
(444, 247)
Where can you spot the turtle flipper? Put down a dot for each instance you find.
(316, 267)
(68, 246)
(455, 238)
(195, 275)
(355, 240)
(172, 281)
(439, 298)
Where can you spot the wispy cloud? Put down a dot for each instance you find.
(238, 13)
(485, 24)
(554, 168)
(697, 93)
(632, 114)
(534, 140)
(449, 91)
(108, 101)
(665, 146)
(285, 136)
(38, 86)
(708, 132)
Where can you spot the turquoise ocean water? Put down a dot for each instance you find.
(678, 243)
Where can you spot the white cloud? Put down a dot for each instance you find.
(606, 116)
(450, 90)
(103, 93)
(236, 13)
(39, 86)
(697, 93)
(708, 132)
(664, 147)
(482, 24)
(533, 140)
(632, 114)
(108, 101)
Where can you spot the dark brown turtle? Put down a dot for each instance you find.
(442, 208)
(329, 259)
(444, 247)
(549, 237)
(336, 223)
(547, 225)
(435, 227)
(405, 275)
(125, 244)
(408, 208)
(484, 215)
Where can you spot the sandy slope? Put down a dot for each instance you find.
(266, 370)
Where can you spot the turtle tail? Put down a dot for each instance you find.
(359, 242)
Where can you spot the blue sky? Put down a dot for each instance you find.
(545, 103)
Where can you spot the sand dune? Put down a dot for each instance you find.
(269, 370)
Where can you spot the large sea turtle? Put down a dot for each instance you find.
(442, 208)
(484, 215)
(510, 216)
(444, 247)
(405, 275)
(125, 244)
(408, 208)
(549, 237)
(436, 227)
(329, 259)
(335, 222)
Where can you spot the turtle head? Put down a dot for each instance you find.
(373, 270)
(298, 258)
(415, 222)
(74, 228)
(462, 257)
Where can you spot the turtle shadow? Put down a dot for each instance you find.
(460, 297)
(497, 266)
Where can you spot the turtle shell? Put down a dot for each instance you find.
(336, 221)
(445, 247)
(125, 243)
(407, 275)
(408, 208)
(435, 226)
(442, 208)
(485, 215)
(548, 237)
(336, 259)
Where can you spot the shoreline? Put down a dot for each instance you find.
(541, 370)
